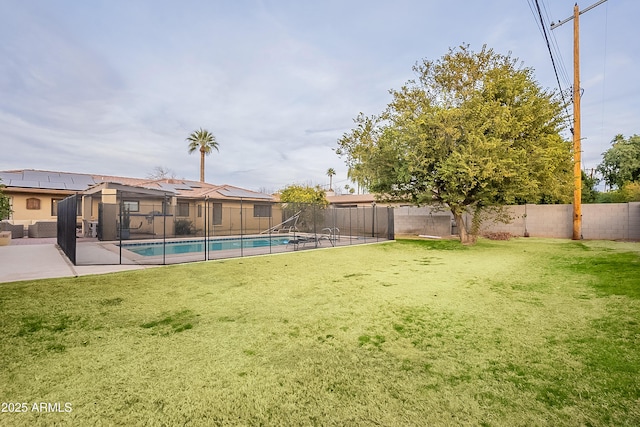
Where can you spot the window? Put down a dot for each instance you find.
(199, 211)
(262, 211)
(217, 213)
(54, 206)
(33, 203)
(182, 209)
(131, 205)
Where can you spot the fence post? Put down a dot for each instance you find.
(164, 230)
(120, 205)
(391, 234)
(351, 224)
(373, 219)
(270, 221)
(315, 225)
(206, 208)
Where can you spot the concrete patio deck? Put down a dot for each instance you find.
(32, 258)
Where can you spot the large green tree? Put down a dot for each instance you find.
(303, 194)
(589, 192)
(471, 131)
(205, 142)
(304, 203)
(630, 192)
(621, 163)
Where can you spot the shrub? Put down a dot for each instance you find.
(499, 235)
(184, 227)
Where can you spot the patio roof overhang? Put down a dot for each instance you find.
(128, 191)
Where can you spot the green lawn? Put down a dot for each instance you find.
(525, 332)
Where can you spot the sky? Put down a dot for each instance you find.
(115, 87)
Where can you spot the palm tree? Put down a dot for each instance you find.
(203, 140)
(330, 173)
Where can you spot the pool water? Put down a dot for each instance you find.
(194, 246)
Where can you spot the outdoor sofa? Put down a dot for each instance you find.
(43, 229)
(17, 230)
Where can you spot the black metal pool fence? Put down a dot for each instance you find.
(140, 232)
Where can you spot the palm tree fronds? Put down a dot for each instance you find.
(204, 141)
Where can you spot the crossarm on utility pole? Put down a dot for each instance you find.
(557, 24)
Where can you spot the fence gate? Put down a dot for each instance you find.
(67, 213)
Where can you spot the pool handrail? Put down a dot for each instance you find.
(290, 229)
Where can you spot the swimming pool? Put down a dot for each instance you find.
(194, 246)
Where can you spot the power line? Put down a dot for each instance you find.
(557, 51)
(604, 69)
(553, 62)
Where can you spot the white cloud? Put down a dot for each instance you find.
(116, 87)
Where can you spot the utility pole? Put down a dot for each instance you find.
(577, 153)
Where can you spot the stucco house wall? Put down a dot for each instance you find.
(29, 207)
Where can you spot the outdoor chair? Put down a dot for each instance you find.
(43, 229)
(17, 230)
(302, 240)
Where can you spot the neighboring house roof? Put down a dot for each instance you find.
(348, 199)
(363, 200)
(75, 182)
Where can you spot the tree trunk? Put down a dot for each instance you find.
(201, 165)
(465, 237)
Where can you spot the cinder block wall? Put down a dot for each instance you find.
(634, 221)
(610, 221)
(550, 220)
(422, 220)
(537, 220)
(605, 221)
(517, 226)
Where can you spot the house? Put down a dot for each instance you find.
(147, 203)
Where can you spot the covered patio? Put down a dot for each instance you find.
(113, 211)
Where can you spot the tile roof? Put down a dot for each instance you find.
(51, 180)
(352, 198)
